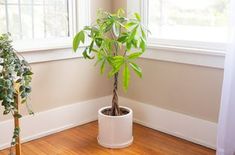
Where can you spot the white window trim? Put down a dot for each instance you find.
(35, 51)
(195, 53)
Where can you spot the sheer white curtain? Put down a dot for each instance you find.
(226, 126)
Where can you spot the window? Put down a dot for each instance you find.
(202, 21)
(39, 25)
(35, 19)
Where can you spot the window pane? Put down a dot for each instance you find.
(39, 25)
(2, 19)
(56, 14)
(26, 21)
(196, 20)
(14, 21)
(12, 1)
(36, 19)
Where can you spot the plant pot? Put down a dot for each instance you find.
(115, 131)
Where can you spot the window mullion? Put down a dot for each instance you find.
(32, 11)
(20, 19)
(44, 19)
(162, 15)
(67, 2)
(7, 16)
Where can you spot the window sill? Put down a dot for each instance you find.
(192, 56)
(36, 51)
(42, 45)
(46, 54)
(187, 50)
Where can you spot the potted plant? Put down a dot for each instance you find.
(15, 79)
(114, 41)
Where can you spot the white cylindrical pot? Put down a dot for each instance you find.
(115, 131)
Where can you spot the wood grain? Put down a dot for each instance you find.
(17, 120)
(81, 140)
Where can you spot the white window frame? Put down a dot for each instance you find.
(189, 52)
(79, 15)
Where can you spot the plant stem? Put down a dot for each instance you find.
(17, 123)
(115, 111)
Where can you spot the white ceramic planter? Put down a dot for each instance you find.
(115, 131)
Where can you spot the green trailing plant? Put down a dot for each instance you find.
(114, 41)
(15, 78)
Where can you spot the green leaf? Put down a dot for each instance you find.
(120, 12)
(98, 41)
(137, 16)
(87, 28)
(122, 39)
(126, 77)
(135, 55)
(91, 46)
(102, 66)
(23, 95)
(116, 63)
(135, 43)
(28, 89)
(6, 111)
(118, 58)
(114, 70)
(128, 45)
(85, 54)
(18, 80)
(130, 24)
(28, 72)
(22, 88)
(133, 34)
(142, 45)
(24, 101)
(143, 33)
(80, 37)
(31, 112)
(116, 29)
(17, 115)
(136, 68)
(108, 27)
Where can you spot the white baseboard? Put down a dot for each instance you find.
(48, 122)
(180, 125)
(52, 121)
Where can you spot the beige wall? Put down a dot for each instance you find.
(65, 82)
(117, 4)
(187, 89)
(100, 4)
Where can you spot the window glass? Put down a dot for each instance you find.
(194, 20)
(35, 19)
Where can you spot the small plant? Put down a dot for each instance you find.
(15, 78)
(114, 41)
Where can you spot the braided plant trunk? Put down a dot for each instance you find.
(115, 110)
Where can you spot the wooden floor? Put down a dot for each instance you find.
(82, 141)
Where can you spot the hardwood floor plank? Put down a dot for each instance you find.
(82, 140)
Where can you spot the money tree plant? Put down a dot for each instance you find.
(15, 78)
(116, 41)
